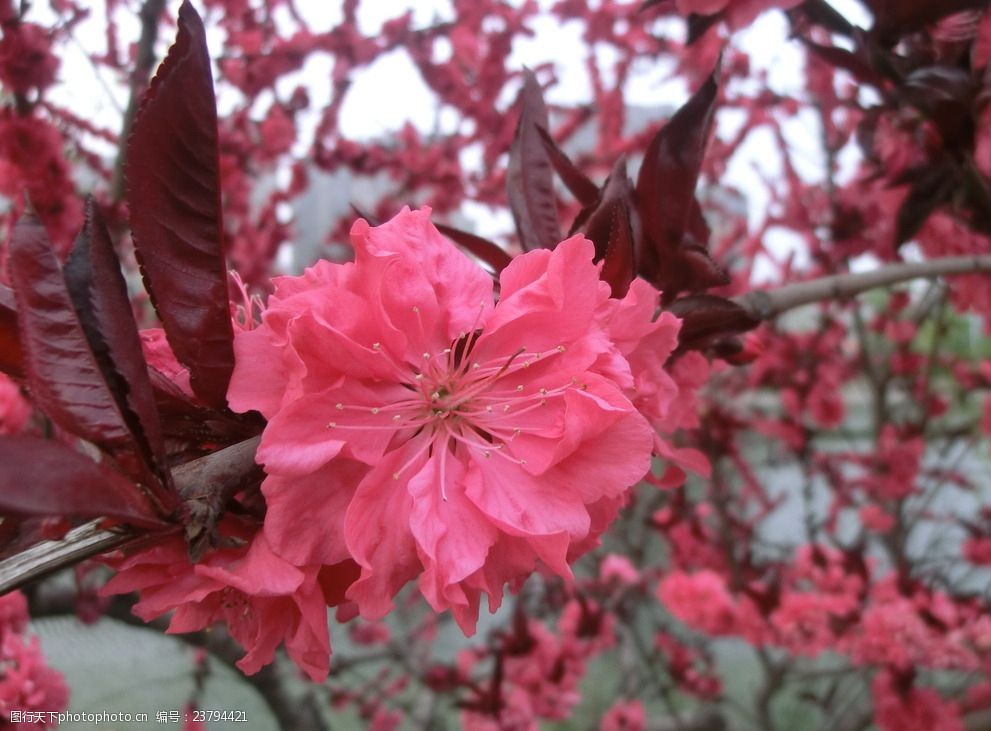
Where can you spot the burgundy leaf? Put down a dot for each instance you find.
(609, 225)
(11, 357)
(697, 228)
(698, 25)
(530, 176)
(617, 264)
(584, 190)
(932, 188)
(99, 293)
(894, 18)
(700, 270)
(945, 94)
(484, 249)
(173, 190)
(706, 318)
(668, 176)
(65, 380)
(848, 61)
(821, 13)
(43, 477)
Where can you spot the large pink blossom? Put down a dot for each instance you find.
(429, 432)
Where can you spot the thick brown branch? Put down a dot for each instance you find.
(207, 480)
(769, 304)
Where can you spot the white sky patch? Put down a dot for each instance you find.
(385, 96)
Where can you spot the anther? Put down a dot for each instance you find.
(339, 406)
(331, 424)
(519, 388)
(375, 409)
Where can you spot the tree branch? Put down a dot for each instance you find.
(769, 304)
(199, 482)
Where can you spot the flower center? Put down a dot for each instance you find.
(458, 402)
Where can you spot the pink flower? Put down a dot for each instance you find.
(13, 613)
(700, 600)
(26, 681)
(14, 408)
(263, 600)
(897, 707)
(624, 716)
(427, 432)
(162, 360)
(26, 58)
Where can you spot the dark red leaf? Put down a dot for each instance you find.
(11, 357)
(173, 190)
(609, 225)
(706, 318)
(617, 264)
(931, 188)
(584, 190)
(945, 94)
(821, 13)
(65, 380)
(699, 24)
(894, 18)
(484, 249)
(530, 176)
(43, 477)
(850, 62)
(99, 293)
(700, 270)
(668, 176)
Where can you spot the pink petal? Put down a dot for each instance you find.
(304, 520)
(522, 504)
(376, 528)
(453, 535)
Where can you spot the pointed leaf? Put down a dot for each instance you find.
(65, 380)
(609, 226)
(43, 477)
(850, 62)
(670, 170)
(487, 251)
(530, 176)
(698, 25)
(894, 18)
(11, 356)
(99, 294)
(706, 318)
(931, 189)
(584, 190)
(821, 13)
(617, 264)
(173, 190)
